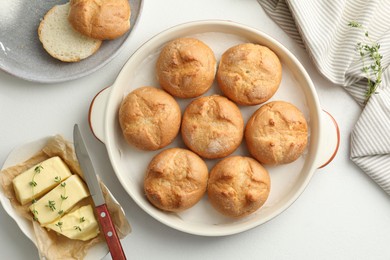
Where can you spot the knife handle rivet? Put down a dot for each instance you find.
(109, 233)
(103, 214)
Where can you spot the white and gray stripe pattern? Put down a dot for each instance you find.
(321, 26)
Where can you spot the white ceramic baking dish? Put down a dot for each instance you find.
(287, 181)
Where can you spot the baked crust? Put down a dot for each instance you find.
(277, 133)
(212, 126)
(143, 117)
(186, 67)
(249, 74)
(238, 186)
(175, 180)
(100, 19)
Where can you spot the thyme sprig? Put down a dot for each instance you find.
(34, 211)
(369, 50)
(59, 225)
(82, 219)
(37, 170)
(33, 184)
(63, 195)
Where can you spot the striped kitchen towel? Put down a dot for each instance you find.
(322, 28)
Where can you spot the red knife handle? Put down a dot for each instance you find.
(112, 239)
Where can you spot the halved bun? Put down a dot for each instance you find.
(60, 40)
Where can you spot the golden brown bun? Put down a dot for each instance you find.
(150, 118)
(186, 67)
(100, 19)
(276, 133)
(238, 186)
(176, 179)
(249, 74)
(212, 126)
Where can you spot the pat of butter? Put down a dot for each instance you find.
(80, 224)
(59, 200)
(39, 179)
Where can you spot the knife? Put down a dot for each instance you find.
(104, 218)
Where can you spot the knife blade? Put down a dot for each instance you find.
(90, 177)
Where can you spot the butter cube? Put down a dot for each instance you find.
(80, 224)
(59, 200)
(39, 179)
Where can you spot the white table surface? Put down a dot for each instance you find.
(342, 214)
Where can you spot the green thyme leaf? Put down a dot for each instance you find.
(354, 24)
(77, 228)
(51, 205)
(59, 225)
(38, 169)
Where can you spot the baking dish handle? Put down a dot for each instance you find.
(330, 139)
(96, 113)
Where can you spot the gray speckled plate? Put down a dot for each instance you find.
(22, 54)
